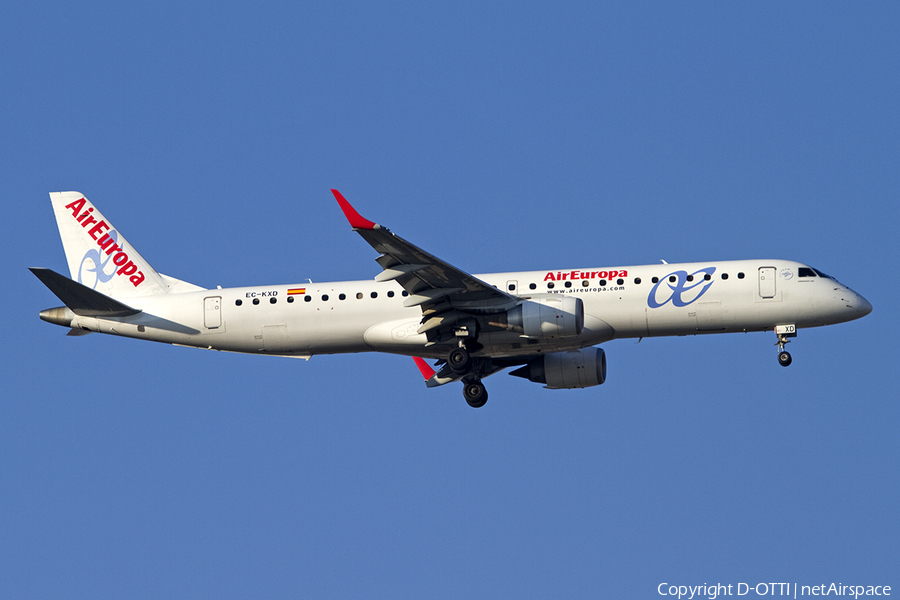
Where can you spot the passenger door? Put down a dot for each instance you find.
(767, 282)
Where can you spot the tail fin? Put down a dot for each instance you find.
(99, 257)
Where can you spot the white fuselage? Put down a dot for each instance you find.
(619, 302)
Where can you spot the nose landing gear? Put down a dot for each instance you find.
(783, 332)
(784, 358)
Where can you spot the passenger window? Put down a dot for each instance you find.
(724, 275)
(637, 280)
(512, 288)
(532, 286)
(690, 277)
(324, 297)
(740, 275)
(707, 277)
(390, 293)
(673, 279)
(550, 285)
(655, 280)
(238, 302)
(404, 293)
(290, 300)
(342, 297)
(374, 294)
(620, 281)
(359, 296)
(307, 298)
(602, 282)
(568, 284)
(273, 300)
(256, 301)
(585, 283)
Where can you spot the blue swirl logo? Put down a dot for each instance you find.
(99, 265)
(683, 290)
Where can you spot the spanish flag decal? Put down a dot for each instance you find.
(295, 291)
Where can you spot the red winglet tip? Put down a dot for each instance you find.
(427, 372)
(356, 221)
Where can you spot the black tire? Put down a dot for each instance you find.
(459, 360)
(784, 358)
(475, 393)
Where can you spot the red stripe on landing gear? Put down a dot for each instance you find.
(427, 372)
(356, 221)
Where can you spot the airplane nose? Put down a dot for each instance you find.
(863, 306)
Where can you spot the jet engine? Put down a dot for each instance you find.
(566, 370)
(548, 317)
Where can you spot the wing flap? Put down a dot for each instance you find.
(398, 271)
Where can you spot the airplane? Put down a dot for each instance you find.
(547, 324)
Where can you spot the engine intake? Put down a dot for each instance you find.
(566, 370)
(548, 317)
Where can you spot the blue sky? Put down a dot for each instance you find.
(499, 136)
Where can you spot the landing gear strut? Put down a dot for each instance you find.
(469, 369)
(461, 362)
(783, 332)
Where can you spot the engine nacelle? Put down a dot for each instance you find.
(566, 370)
(548, 317)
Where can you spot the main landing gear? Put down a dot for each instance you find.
(461, 363)
(459, 360)
(475, 393)
(783, 332)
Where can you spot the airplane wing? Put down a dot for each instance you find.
(444, 292)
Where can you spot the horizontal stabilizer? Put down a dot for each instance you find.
(81, 299)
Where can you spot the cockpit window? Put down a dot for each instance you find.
(810, 272)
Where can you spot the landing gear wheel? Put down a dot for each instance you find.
(475, 393)
(783, 332)
(459, 360)
(784, 358)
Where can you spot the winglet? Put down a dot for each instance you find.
(427, 372)
(356, 221)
